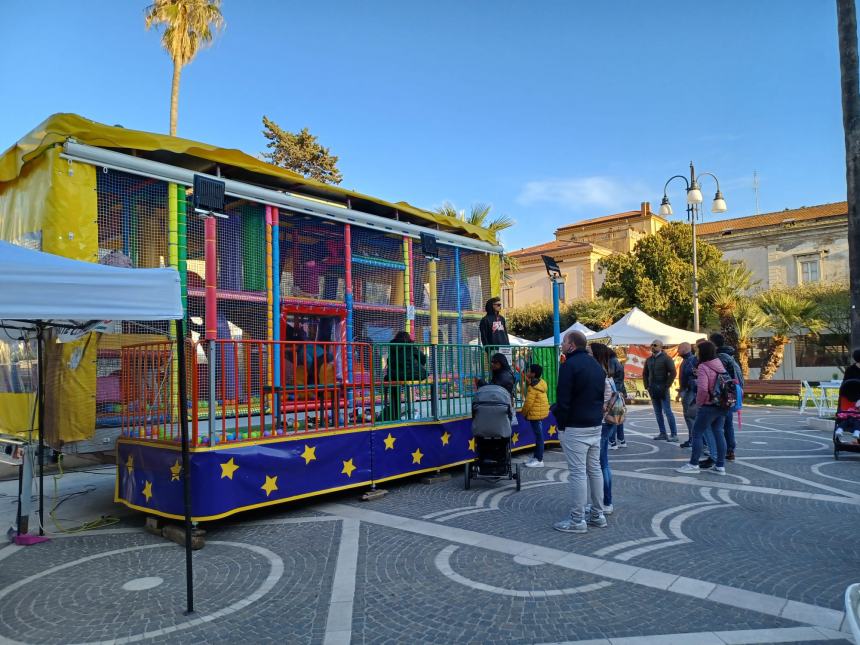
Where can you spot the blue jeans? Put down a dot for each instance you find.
(617, 433)
(606, 433)
(537, 428)
(729, 431)
(710, 419)
(664, 406)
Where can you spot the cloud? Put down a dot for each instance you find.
(580, 193)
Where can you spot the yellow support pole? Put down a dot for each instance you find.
(407, 281)
(434, 304)
(173, 260)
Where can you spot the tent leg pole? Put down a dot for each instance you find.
(186, 474)
(41, 447)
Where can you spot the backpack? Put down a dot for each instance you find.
(616, 409)
(724, 393)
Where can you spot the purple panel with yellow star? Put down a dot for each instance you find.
(228, 479)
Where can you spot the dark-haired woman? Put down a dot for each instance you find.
(710, 417)
(405, 363)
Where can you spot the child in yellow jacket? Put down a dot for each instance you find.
(535, 410)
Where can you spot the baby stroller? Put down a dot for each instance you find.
(492, 413)
(846, 427)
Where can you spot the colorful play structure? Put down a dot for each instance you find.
(293, 297)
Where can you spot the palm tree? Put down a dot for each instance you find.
(748, 319)
(788, 314)
(724, 287)
(478, 216)
(600, 312)
(188, 26)
(846, 13)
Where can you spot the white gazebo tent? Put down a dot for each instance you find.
(39, 291)
(577, 326)
(638, 328)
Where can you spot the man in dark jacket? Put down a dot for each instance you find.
(494, 330)
(659, 374)
(687, 388)
(579, 413)
(726, 354)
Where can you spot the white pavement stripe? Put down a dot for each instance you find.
(737, 637)
(722, 594)
(8, 550)
(682, 457)
(338, 627)
(690, 481)
(801, 480)
(443, 563)
(816, 468)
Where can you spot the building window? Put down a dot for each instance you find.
(561, 291)
(821, 350)
(507, 297)
(758, 352)
(809, 269)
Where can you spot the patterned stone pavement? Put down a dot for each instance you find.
(762, 555)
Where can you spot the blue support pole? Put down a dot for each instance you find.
(556, 318)
(459, 301)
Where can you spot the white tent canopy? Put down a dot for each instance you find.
(36, 286)
(638, 328)
(513, 340)
(577, 326)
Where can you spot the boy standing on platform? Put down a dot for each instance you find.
(535, 410)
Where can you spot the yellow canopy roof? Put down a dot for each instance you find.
(59, 127)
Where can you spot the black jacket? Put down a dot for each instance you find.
(579, 393)
(493, 328)
(659, 372)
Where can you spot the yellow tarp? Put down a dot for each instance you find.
(16, 412)
(59, 127)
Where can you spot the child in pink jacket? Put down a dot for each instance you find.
(710, 417)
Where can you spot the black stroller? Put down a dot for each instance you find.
(847, 418)
(492, 413)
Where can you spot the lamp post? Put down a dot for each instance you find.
(694, 201)
(554, 273)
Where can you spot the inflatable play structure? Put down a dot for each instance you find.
(293, 298)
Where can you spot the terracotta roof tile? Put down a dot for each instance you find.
(771, 219)
(555, 246)
(607, 218)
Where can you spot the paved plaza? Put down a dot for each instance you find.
(762, 555)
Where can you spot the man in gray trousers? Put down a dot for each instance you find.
(579, 414)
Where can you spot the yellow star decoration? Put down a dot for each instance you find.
(348, 467)
(472, 444)
(270, 485)
(175, 469)
(228, 468)
(416, 456)
(129, 464)
(310, 454)
(515, 438)
(552, 431)
(389, 442)
(445, 437)
(147, 491)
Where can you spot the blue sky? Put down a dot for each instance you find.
(552, 111)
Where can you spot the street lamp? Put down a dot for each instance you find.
(694, 202)
(554, 273)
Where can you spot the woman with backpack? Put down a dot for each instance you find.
(613, 410)
(714, 396)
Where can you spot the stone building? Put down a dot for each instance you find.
(577, 248)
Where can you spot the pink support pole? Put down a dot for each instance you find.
(211, 259)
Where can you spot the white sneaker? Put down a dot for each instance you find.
(607, 509)
(533, 463)
(613, 446)
(622, 444)
(688, 469)
(720, 470)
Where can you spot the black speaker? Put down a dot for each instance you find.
(429, 246)
(208, 195)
